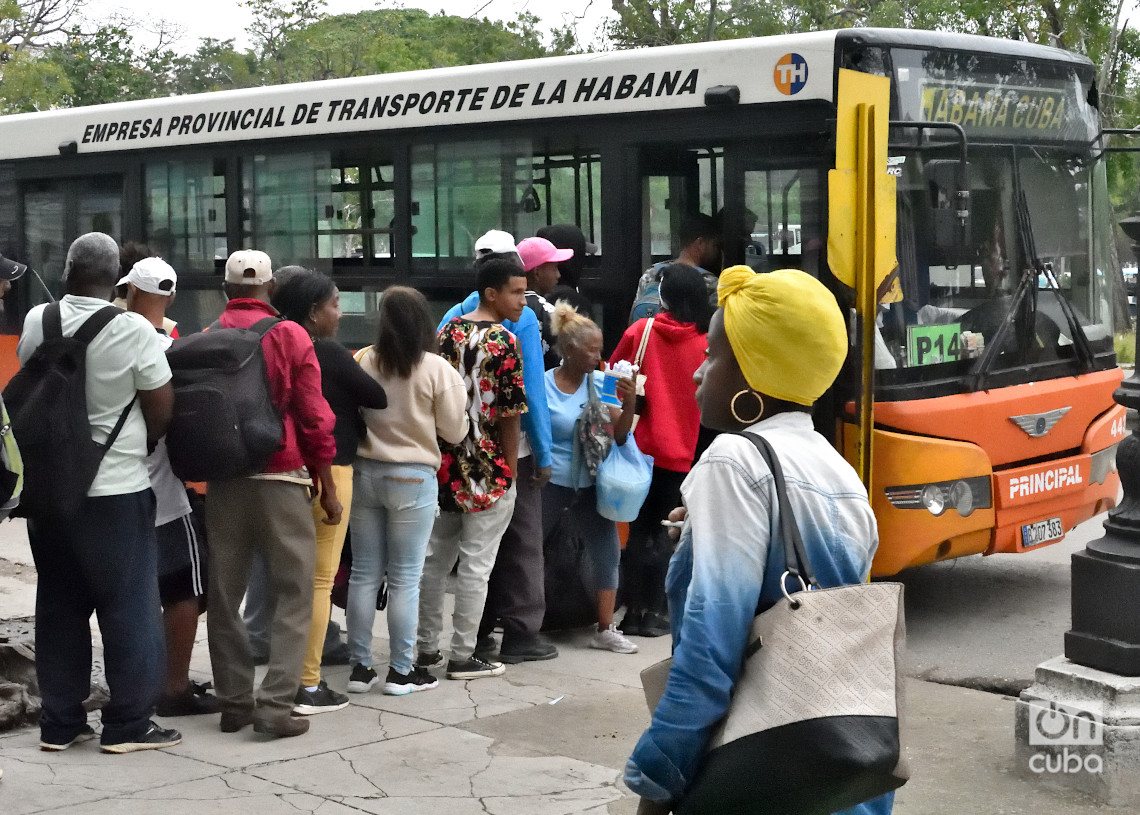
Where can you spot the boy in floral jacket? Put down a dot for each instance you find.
(476, 478)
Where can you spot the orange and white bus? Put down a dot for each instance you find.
(949, 190)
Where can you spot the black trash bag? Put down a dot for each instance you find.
(570, 600)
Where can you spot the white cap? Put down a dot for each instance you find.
(152, 275)
(495, 242)
(249, 267)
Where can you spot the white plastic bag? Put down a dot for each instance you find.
(623, 481)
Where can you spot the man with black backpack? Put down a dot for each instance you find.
(268, 512)
(92, 393)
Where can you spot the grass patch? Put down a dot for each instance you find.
(1125, 345)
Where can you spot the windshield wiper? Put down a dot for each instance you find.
(1025, 294)
(1080, 339)
(1022, 311)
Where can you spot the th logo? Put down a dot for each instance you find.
(791, 74)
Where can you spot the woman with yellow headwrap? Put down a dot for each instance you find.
(776, 343)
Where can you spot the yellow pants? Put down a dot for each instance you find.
(330, 542)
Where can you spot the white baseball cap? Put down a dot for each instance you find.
(249, 267)
(495, 242)
(152, 275)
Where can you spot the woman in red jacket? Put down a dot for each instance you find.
(667, 430)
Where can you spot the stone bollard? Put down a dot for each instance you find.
(1079, 727)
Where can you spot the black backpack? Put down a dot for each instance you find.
(225, 424)
(47, 402)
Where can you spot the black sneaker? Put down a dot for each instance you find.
(155, 738)
(485, 648)
(194, 701)
(654, 625)
(85, 734)
(526, 648)
(428, 660)
(630, 624)
(417, 679)
(473, 668)
(321, 700)
(362, 679)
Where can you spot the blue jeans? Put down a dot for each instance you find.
(106, 562)
(393, 510)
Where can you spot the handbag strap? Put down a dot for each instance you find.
(795, 557)
(644, 343)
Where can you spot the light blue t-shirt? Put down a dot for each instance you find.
(565, 408)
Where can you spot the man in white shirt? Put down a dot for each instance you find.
(103, 561)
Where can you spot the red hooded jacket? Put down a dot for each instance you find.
(670, 421)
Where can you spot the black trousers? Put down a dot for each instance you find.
(516, 597)
(103, 562)
(648, 549)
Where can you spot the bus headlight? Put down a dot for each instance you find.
(963, 495)
(933, 499)
(1103, 462)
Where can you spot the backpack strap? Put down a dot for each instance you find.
(118, 427)
(52, 321)
(263, 326)
(93, 324)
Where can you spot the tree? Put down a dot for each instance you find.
(28, 24)
(274, 21)
(388, 40)
(27, 82)
(103, 66)
(214, 66)
(30, 84)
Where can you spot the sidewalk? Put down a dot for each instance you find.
(547, 738)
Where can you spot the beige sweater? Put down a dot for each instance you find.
(431, 403)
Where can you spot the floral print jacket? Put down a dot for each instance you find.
(474, 473)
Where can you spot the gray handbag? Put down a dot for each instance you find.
(814, 721)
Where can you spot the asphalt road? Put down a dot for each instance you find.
(987, 622)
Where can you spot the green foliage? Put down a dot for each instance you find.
(1125, 346)
(214, 66)
(274, 22)
(294, 41)
(32, 84)
(387, 40)
(104, 66)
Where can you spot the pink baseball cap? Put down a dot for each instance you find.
(537, 251)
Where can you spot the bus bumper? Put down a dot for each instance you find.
(1071, 489)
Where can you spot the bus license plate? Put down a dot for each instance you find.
(1042, 532)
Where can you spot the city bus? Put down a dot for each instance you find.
(977, 401)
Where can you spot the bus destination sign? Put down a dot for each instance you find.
(999, 108)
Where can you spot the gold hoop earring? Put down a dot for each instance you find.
(735, 415)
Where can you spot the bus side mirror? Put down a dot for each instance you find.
(947, 182)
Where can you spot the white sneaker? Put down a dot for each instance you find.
(612, 640)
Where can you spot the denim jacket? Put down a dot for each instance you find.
(728, 565)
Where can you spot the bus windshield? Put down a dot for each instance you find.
(939, 319)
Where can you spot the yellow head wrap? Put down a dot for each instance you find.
(786, 331)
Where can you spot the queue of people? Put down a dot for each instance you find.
(459, 447)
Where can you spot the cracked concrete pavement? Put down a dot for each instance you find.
(546, 738)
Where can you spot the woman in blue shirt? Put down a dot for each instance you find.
(775, 345)
(571, 487)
